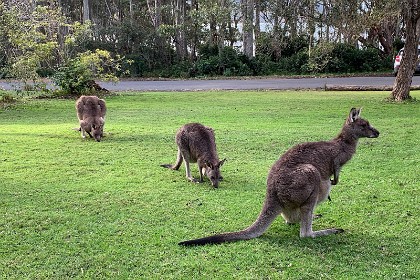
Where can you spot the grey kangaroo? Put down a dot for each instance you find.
(300, 180)
(91, 113)
(196, 143)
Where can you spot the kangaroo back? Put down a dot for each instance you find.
(199, 140)
(91, 112)
(300, 180)
(90, 106)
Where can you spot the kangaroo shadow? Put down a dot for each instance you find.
(351, 250)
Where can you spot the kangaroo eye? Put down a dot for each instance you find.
(212, 177)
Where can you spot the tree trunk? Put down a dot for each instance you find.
(180, 38)
(213, 31)
(86, 12)
(257, 28)
(195, 31)
(409, 59)
(248, 27)
(222, 28)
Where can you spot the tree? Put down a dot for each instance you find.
(31, 36)
(381, 24)
(179, 24)
(33, 41)
(411, 17)
(248, 27)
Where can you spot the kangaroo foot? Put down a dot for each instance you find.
(323, 232)
(192, 179)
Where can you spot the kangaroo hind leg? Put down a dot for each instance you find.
(306, 213)
(186, 156)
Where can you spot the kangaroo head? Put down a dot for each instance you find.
(213, 172)
(97, 129)
(358, 126)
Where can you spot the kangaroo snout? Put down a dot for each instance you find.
(374, 133)
(215, 184)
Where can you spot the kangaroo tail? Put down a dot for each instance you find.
(268, 214)
(178, 163)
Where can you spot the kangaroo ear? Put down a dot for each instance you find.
(354, 115)
(209, 164)
(221, 162)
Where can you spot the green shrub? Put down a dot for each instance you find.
(344, 58)
(77, 75)
(295, 46)
(207, 50)
(228, 62)
(135, 65)
(209, 66)
(263, 65)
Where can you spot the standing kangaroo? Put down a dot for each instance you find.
(91, 113)
(196, 143)
(300, 180)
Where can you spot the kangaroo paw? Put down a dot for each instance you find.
(317, 216)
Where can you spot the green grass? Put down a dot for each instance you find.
(74, 208)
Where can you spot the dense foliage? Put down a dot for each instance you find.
(178, 38)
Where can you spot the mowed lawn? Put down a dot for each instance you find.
(74, 208)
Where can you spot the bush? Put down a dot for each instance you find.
(228, 62)
(77, 76)
(344, 58)
(208, 66)
(263, 65)
(206, 51)
(295, 46)
(135, 65)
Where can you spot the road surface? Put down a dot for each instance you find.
(242, 84)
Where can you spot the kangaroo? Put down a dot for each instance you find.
(91, 113)
(196, 143)
(300, 180)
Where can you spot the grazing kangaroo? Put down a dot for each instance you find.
(300, 180)
(196, 143)
(91, 113)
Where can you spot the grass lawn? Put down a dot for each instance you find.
(74, 208)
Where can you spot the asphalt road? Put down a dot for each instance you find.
(242, 84)
(249, 84)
